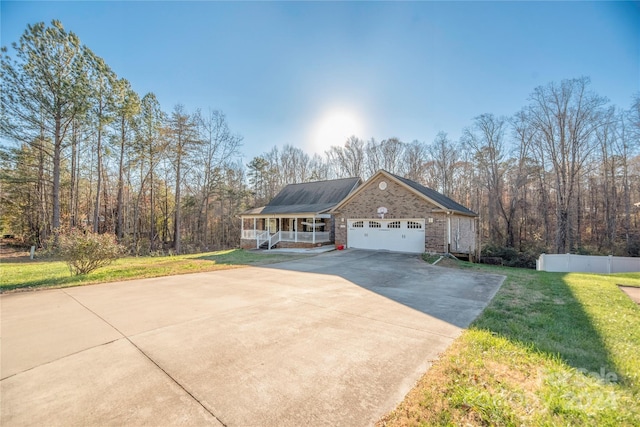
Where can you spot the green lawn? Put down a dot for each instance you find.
(15, 274)
(550, 349)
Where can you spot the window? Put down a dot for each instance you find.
(394, 224)
(414, 225)
(374, 224)
(358, 224)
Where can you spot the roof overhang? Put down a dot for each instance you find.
(287, 215)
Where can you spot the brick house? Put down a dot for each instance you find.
(387, 212)
(394, 213)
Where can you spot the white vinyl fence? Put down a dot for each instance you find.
(568, 263)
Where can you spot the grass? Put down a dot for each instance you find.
(430, 258)
(550, 349)
(21, 274)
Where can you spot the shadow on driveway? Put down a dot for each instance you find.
(453, 296)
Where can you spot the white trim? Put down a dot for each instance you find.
(288, 215)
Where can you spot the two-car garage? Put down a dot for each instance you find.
(392, 213)
(399, 235)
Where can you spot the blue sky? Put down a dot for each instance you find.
(308, 73)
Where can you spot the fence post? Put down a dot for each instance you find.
(609, 262)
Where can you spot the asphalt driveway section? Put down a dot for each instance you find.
(336, 339)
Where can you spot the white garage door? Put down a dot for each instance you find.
(399, 235)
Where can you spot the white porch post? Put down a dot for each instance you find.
(295, 230)
(313, 230)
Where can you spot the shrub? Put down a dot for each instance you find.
(509, 256)
(84, 251)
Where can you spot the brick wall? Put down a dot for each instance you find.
(402, 203)
(248, 243)
(435, 233)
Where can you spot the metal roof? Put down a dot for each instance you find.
(311, 197)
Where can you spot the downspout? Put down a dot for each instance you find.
(447, 239)
(479, 242)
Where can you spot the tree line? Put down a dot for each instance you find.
(560, 175)
(87, 151)
(81, 149)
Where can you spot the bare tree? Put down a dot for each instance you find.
(319, 169)
(294, 165)
(444, 155)
(518, 176)
(348, 161)
(219, 146)
(415, 161)
(387, 155)
(565, 117)
(486, 140)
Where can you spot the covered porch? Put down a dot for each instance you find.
(299, 230)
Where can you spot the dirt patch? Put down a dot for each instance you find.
(632, 292)
(12, 250)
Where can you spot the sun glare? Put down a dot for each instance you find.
(333, 128)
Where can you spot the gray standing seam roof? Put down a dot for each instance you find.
(308, 197)
(435, 196)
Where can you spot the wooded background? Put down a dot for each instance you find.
(80, 148)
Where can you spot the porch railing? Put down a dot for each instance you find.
(262, 238)
(251, 234)
(288, 236)
(304, 236)
(307, 236)
(273, 240)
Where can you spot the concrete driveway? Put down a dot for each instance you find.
(334, 339)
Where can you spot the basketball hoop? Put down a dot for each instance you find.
(381, 211)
